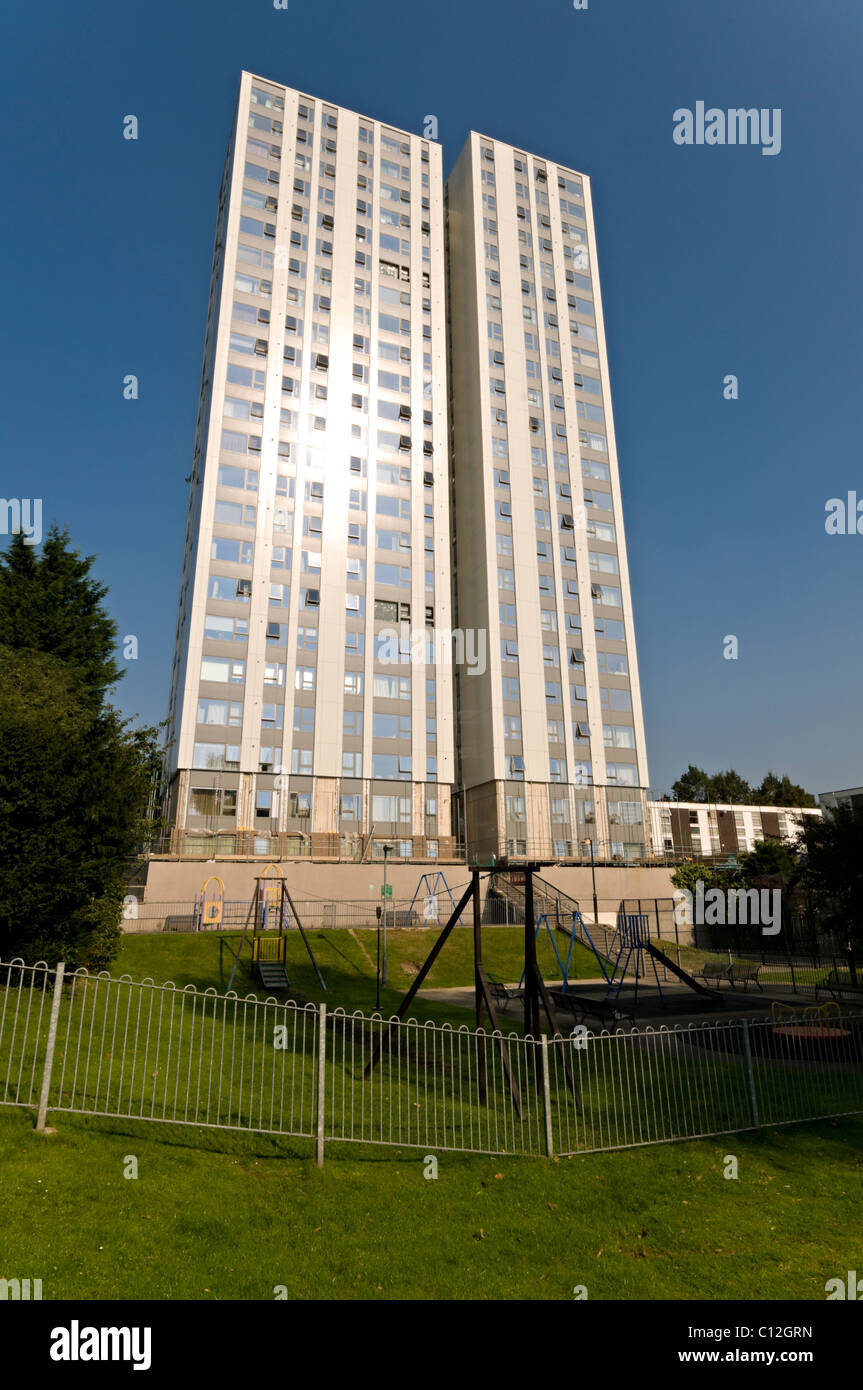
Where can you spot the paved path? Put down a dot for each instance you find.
(649, 1010)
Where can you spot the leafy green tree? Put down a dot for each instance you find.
(691, 786)
(50, 603)
(833, 853)
(770, 858)
(729, 787)
(781, 791)
(74, 775)
(686, 876)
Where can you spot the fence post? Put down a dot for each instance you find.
(750, 1077)
(322, 1057)
(49, 1049)
(546, 1096)
(793, 977)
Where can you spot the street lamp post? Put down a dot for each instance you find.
(593, 880)
(386, 849)
(379, 910)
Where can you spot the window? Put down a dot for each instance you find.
(618, 736)
(623, 774)
(615, 699)
(301, 761)
(612, 663)
(605, 564)
(304, 677)
(229, 712)
(353, 723)
(218, 668)
(392, 687)
(238, 477)
(226, 629)
(233, 552)
(235, 513)
(229, 590)
(391, 726)
(216, 755)
(304, 720)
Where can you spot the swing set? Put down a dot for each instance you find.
(271, 914)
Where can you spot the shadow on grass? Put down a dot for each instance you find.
(778, 1143)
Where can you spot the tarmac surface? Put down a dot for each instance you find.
(677, 1005)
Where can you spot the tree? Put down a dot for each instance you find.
(74, 775)
(833, 870)
(692, 786)
(729, 787)
(51, 604)
(770, 859)
(781, 791)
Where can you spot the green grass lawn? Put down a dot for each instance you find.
(222, 1216)
(347, 960)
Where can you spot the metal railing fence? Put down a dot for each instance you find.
(138, 1051)
(315, 914)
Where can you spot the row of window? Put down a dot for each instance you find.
(386, 767)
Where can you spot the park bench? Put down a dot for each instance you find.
(713, 971)
(836, 982)
(580, 1004)
(744, 970)
(504, 994)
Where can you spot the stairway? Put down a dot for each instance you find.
(273, 975)
(561, 910)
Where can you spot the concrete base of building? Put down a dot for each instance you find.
(179, 880)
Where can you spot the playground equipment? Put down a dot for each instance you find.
(634, 949)
(272, 910)
(430, 911)
(536, 994)
(564, 969)
(816, 1015)
(634, 944)
(210, 904)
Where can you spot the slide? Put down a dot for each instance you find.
(676, 970)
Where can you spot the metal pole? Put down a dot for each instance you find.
(384, 975)
(378, 911)
(531, 1002)
(750, 1076)
(478, 984)
(852, 967)
(322, 1057)
(49, 1048)
(546, 1095)
(477, 948)
(593, 880)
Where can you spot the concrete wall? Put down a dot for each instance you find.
(177, 881)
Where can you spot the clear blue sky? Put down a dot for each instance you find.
(713, 260)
